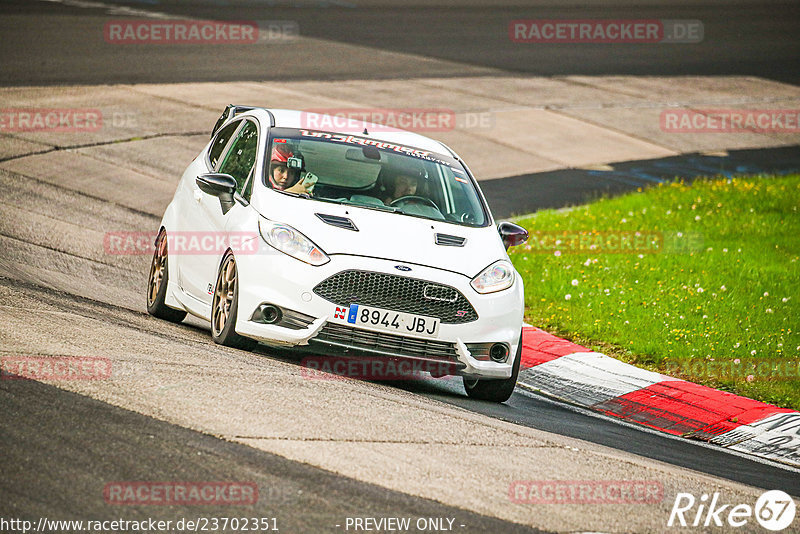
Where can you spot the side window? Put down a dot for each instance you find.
(241, 157)
(220, 140)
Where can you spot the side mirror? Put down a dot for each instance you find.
(218, 185)
(512, 234)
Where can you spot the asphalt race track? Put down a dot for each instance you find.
(740, 38)
(180, 408)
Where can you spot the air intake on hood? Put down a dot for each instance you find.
(340, 222)
(450, 240)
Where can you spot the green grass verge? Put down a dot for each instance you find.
(707, 292)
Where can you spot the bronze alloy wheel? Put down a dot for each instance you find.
(224, 307)
(157, 269)
(223, 295)
(157, 283)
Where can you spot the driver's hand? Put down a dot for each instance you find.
(306, 185)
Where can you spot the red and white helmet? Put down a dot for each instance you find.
(280, 156)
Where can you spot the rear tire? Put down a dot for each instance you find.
(224, 307)
(495, 390)
(157, 284)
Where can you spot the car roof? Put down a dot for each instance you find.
(287, 118)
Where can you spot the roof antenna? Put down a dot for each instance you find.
(366, 132)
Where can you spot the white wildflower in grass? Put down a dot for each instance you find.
(724, 250)
(669, 212)
(750, 378)
(723, 288)
(587, 262)
(766, 293)
(624, 220)
(574, 282)
(557, 253)
(736, 346)
(752, 353)
(641, 256)
(680, 234)
(785, 299)
(737, 361)
(696, 217)
(700, 289)
(567, 296)
(769, 310)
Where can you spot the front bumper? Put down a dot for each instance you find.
(272, 277)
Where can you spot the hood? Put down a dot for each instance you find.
(386, 235)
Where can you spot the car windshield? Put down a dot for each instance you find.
(374, 174)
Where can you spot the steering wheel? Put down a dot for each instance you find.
(414, 198)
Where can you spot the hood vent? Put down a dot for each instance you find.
(339, 222)
(450, 240)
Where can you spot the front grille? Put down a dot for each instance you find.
(398, 293)
(347, 337)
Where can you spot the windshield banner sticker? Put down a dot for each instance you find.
(363, 141)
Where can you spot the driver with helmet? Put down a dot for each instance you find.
(285, 178)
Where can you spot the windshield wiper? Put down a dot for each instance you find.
(371, 206)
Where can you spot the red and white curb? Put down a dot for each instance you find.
(569, 372)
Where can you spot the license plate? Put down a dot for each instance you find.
(389, 321)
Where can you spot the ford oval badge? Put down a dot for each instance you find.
(402, 268)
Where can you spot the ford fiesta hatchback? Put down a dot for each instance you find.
(359, 241)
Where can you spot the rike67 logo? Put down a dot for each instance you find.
(774, 510)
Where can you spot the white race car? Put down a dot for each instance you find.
(363, 241)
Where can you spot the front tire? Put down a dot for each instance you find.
(495, 390)
(224, 307)
(157, 284)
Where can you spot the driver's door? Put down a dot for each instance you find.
(239, 161)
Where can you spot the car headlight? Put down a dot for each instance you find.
(289, 241)
(496, 277)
